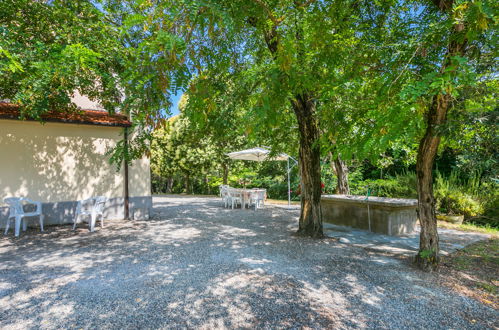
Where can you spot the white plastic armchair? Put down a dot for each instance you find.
(92, 207)
(234, 197)
(257, 197)
(16, 211)
(224, 193)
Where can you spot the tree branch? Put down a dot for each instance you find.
(269, 12)
(304, 4)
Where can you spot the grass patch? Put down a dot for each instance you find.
(474, 271)
(488, 287)
(470, 227)
(281, 202)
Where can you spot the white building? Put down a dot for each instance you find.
(64, 160)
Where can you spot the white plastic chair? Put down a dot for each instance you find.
(257, 197)
(92, 207)
(235, 197)
(16, 211)
(224, 194)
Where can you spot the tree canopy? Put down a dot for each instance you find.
(343, 79)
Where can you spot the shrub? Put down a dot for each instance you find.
(400, 186)
(457, 202)
(455, 195)
(489, 198)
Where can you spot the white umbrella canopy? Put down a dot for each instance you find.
(261, 154)
(256, 154)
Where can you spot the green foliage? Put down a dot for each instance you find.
(398, 186)
(472, 141)
(474, 196)
(371, 69)
(456, 203)
(109, 51)
(490, 201)
(66, 47)
(427, 254)
(8, 62)
(486, 228)
(178, 151)
(131, 148)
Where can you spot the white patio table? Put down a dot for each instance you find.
(245, 195)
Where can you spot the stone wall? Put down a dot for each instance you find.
(391, 216)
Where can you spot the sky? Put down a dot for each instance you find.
(175, 100)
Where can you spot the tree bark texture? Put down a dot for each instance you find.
(169, 185)
(427, 257)
(187, 185)
(206, 181)
(341, 171)
(225, 170)
(310, 223)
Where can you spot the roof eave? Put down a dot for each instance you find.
(68, 121)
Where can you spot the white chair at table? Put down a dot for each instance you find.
(257, 197)
(235, 197)
(92, 207)
(16, 211)
(224, 194)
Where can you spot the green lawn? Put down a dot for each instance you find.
(474, 271)
(470, 227)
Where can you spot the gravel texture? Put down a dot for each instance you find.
(198, 265)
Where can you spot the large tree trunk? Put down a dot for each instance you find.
(206, 183)
(169, 185)
(341, 171)
(187, 183)
(310, 223)
(427, 257)
(225, 170)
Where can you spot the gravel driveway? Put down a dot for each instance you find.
(198, 265)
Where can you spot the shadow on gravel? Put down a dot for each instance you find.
(197, 264)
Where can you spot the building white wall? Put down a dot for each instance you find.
(139, 177)
(59, 162)
(83, 102)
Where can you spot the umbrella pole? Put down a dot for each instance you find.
(289, 187)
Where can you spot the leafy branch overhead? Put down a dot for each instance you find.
(345, 80)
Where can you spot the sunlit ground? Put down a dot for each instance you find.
(196, 264)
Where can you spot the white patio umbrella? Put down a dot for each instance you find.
(262, 154)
